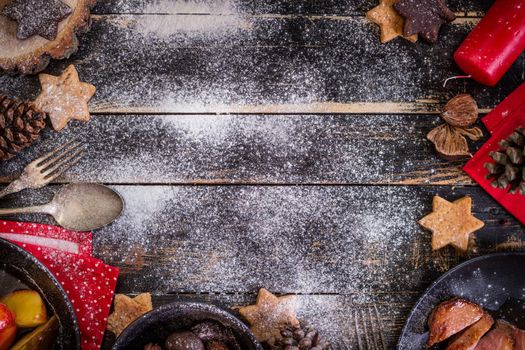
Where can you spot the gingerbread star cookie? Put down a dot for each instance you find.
(37, 17)
(389, 21)
(270, 313)
(424, 17)
(451, 223)
(64, 97)
(127, 310)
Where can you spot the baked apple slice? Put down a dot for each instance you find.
(470, 337)
(500, 338)
(28, 307)
(42, 338)
(451, 317)
(519, 338)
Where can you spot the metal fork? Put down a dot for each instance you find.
(45, 169)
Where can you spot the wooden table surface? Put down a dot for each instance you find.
(276, 144)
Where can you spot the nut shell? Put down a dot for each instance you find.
(450, 142)
(183, 340)
(461, 111)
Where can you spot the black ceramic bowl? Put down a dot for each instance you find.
(157, 325)
(24, 269)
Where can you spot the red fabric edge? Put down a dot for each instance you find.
(508, 107)
(514, 203)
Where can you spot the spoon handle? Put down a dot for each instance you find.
(25, 210)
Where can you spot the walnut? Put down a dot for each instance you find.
(450, 141)
(461, 111)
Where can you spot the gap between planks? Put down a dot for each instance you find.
(364, 108)
(461, 17)
(229, 183)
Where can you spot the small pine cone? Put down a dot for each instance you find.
(508, 169)
(301, 337)
(20, 125)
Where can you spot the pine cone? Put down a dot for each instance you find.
(508, 171)
(20, 126)
(301, 337)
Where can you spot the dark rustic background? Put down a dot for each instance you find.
(272, 143)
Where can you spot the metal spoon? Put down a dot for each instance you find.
(79, 207)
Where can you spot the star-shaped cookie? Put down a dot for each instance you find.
(64, 97)
(270, 313)
(37, 17)
(424, 17)
(451, 223)
(389, 21)
(127, 310)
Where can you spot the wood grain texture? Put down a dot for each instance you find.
(251, 149)
(302, 239)
(300, 7)
(316, 101)
(264, 64)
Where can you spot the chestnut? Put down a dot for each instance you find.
(183, 340)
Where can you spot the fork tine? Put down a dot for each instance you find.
(59, 172)
(65, 151)
(62, 165)
(50, 154)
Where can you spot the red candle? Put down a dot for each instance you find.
(496, 42)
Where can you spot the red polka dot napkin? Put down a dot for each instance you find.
(500, 122)
(89, 283)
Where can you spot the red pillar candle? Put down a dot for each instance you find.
(495, 43)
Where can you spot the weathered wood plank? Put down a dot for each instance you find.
(241, 149)
(264, 64)
(304, 239)
(348, 321)
(308, 7)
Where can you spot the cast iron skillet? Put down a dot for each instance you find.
(157, 325)
(496, 282)
(29, 271)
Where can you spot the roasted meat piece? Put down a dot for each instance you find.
(519, 338)
(500, 338)
(469, 338)
(451, 317)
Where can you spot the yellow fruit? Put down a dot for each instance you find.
(42, 338)
(28, 307)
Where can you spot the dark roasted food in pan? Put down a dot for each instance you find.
(519, 339)
(451, 317)
(470, 337)
(500, 338)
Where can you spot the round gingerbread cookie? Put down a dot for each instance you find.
(32, 54)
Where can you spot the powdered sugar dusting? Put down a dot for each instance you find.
(165, 27)
(249, 149)
(232, 62)
(186, 20)
(307, 240)
(215, 7)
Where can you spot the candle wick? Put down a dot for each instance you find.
(456, 77)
